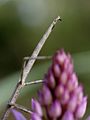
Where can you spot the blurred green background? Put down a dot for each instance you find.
(22, 24)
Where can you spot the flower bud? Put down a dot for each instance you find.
(81, 108)
(50, 80)
(46, 97)
(17, 115)
(68, 116)
(59, 91)
(64, 77)
(72, 82)
(55, 110)
(65, 97)
(57, 70)
(36, 107)
(60, 57)
(71, 106)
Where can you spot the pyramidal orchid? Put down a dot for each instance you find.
(61, 96)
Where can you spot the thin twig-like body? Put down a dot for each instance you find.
(20, 107)
(33, 82)
(26, 69)
(38, 58)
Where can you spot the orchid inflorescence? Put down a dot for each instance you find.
(61, 96)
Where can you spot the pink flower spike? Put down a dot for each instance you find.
(62, 96)
(81, 109)
(68, 116)
(18, 115)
